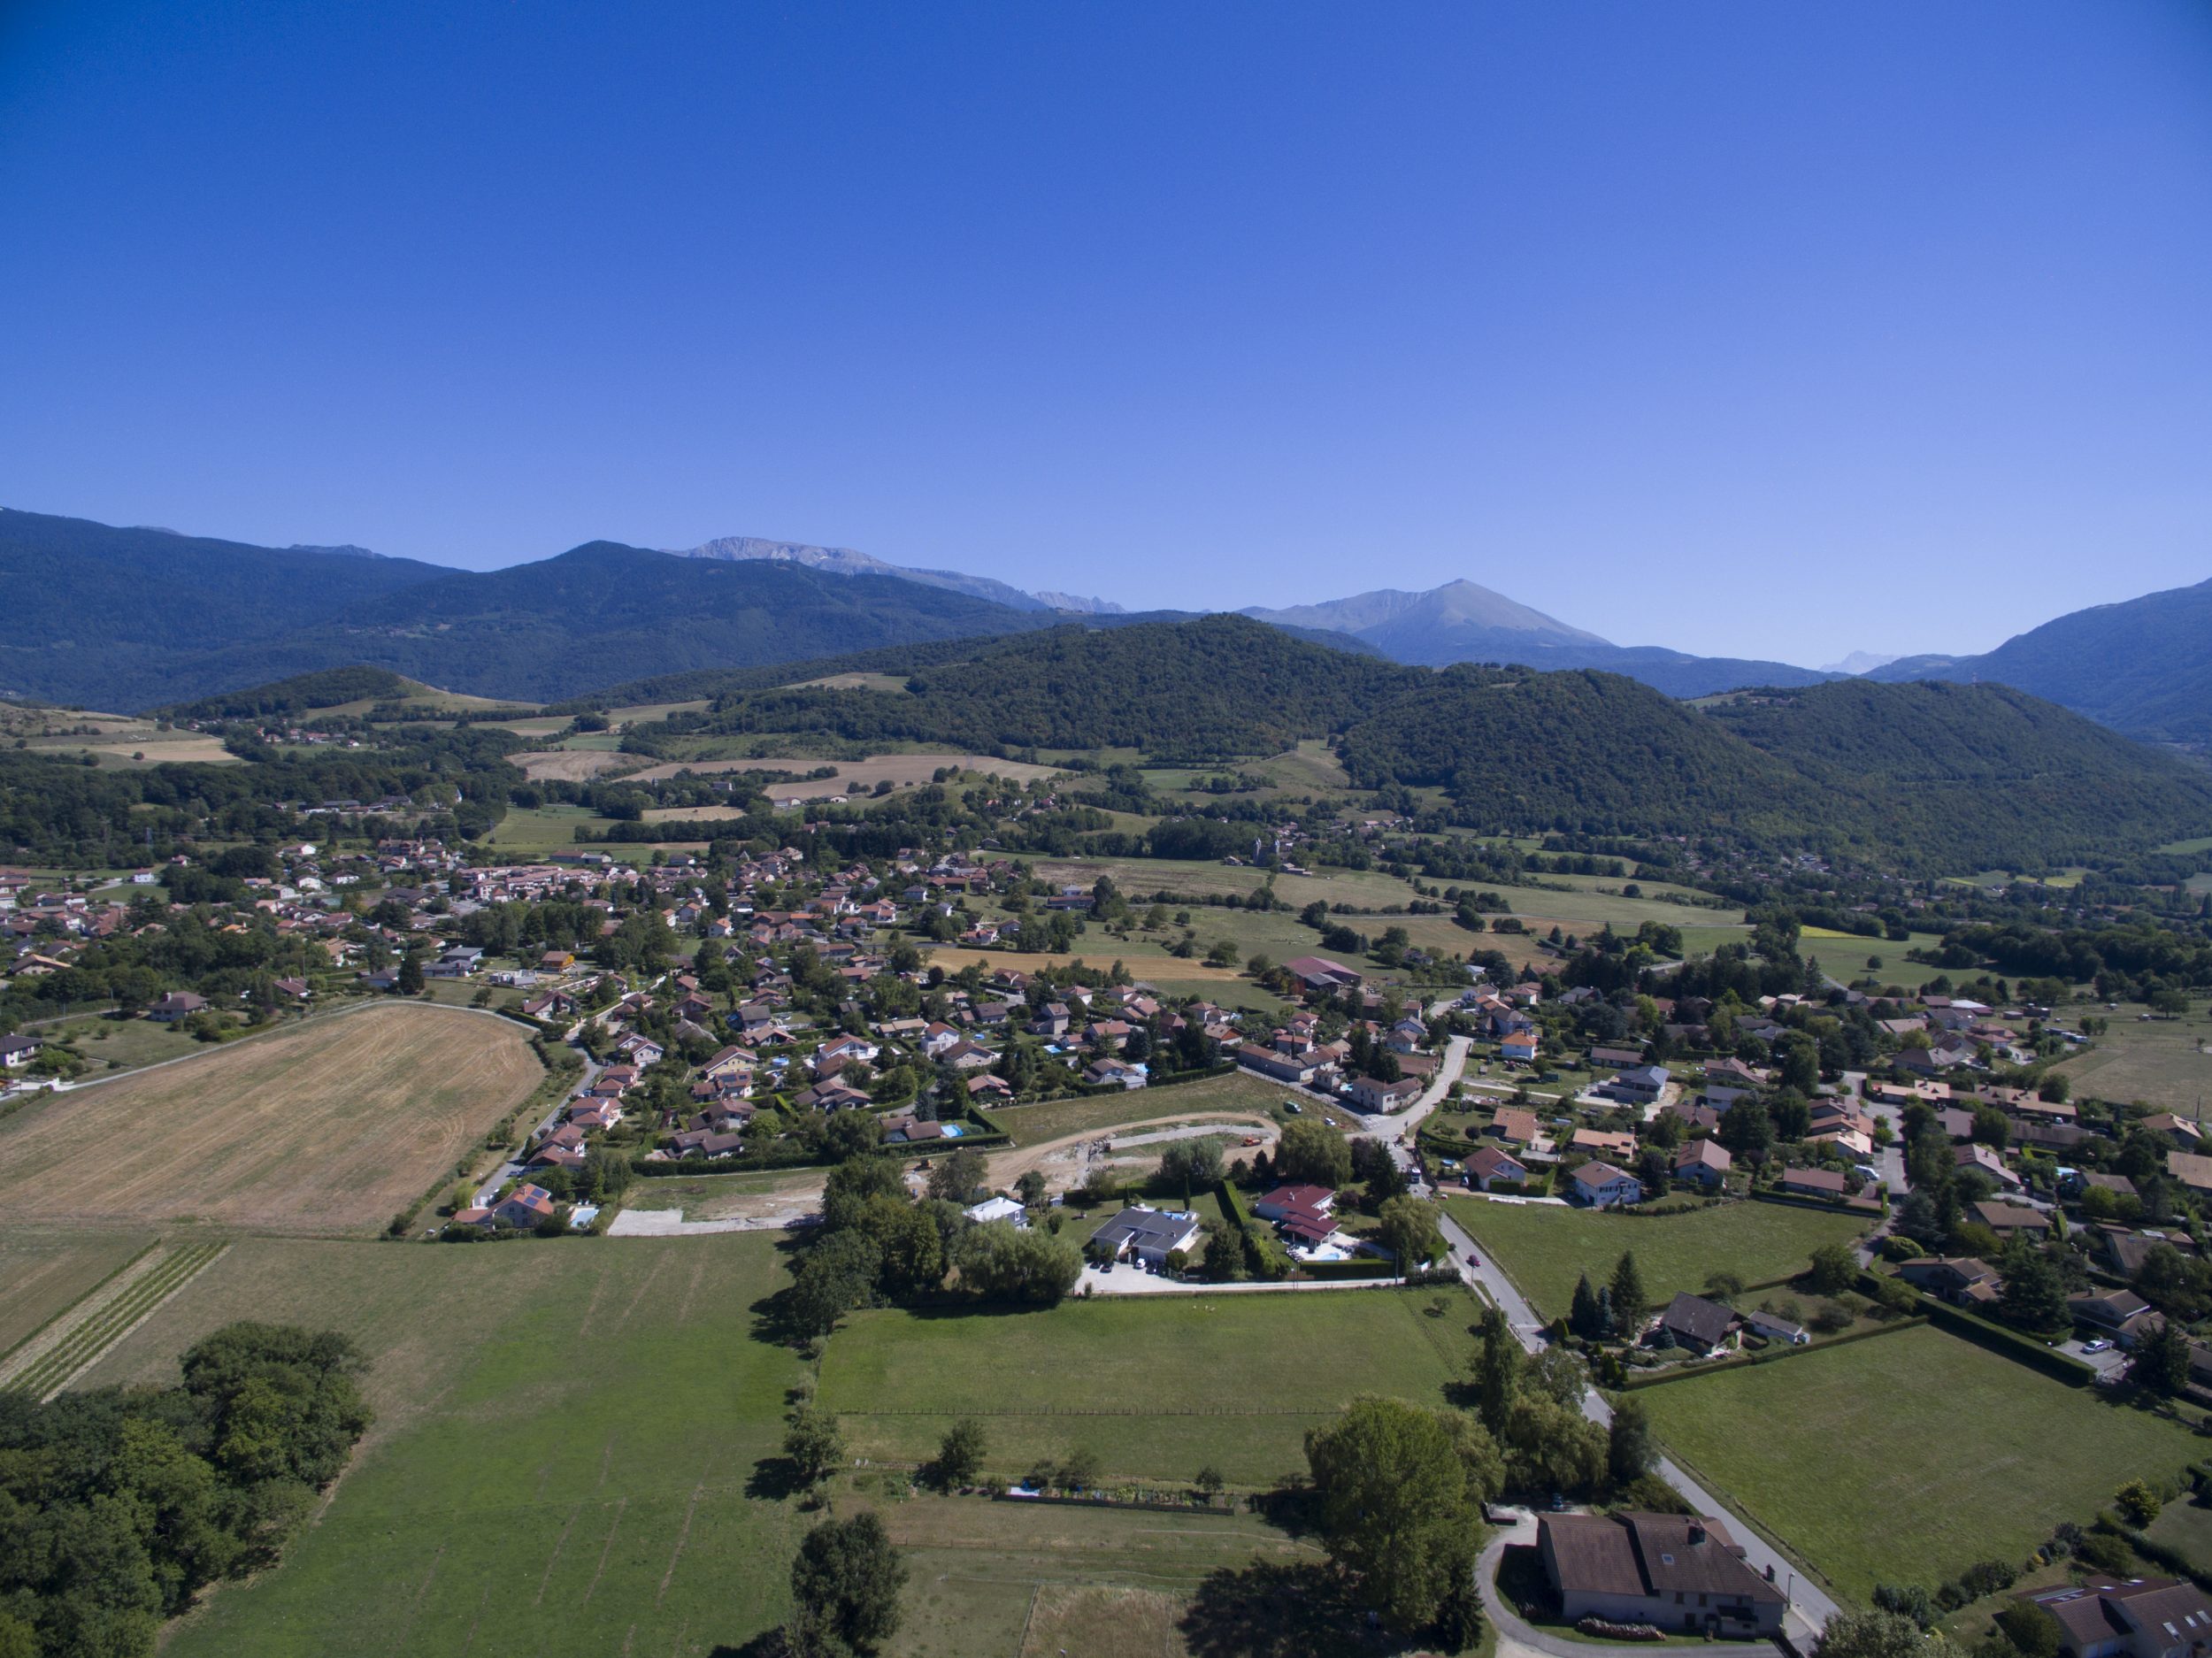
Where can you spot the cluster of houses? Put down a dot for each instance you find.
(1304, 1218)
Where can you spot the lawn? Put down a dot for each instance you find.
(1031, 1124)
(1905, 1458)
(1158, 1385)
(327, 1128)
(1090, 1583)
(532, 832)
(1545, 1246)
(109, 1045)
(2157, 1062)
(43, 1274)
(560, 1463)
(2185, 1526)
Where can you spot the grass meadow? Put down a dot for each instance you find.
(1544, 1248)
(1157, 1385)
(2157, 1062)
(575, 1450)
(1905, 1458)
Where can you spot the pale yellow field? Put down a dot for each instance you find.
(571, 765)
(327, 1128)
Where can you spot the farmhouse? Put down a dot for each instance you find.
(1316, 973)
(2008, 1220)
(1640, 1084)
(1960, 1280)
(1702, 1162)
(177, 1004)
(18, 1050)
(1814, 1183)
(1515, 1126)
(1672, 1571)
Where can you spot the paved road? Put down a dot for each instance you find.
(1398, 1129)
(1809, 1608)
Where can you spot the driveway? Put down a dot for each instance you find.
(1516, 1639)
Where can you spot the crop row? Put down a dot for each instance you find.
(52, 1369)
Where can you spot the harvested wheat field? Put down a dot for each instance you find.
(326, 1129)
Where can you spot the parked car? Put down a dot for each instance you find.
(2099, 1346)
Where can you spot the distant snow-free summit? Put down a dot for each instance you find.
(845, 561)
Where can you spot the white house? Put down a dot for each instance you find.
(1602, 1185)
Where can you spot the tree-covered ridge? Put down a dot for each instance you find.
(118, 1507)
(1580, 749)
(115, 610)
(1993, 775)
(302, 694)
(1928, 776)
(1221, 685)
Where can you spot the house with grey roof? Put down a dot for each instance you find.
(1145, 1234)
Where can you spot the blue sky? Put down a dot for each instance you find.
(1766, 330)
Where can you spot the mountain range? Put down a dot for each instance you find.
(138, 618)
(1463, 621)
(2143, 666)
(844, 561)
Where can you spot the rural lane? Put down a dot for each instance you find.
(1809, 1608)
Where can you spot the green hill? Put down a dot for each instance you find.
(1930, 776)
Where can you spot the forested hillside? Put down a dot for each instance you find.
(1930, 776)
(2001, 778)
(2143, 667)
(1581, 750)
(108, 615)
(1218, 686)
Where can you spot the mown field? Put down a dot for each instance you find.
(1158, 1385)
(1544, 1248)
(566, 1433)
(43, 1274)
(326, 1129)
(2159, 1061)
(1907, 1457)
(1084, 1582)
(579, 1458)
